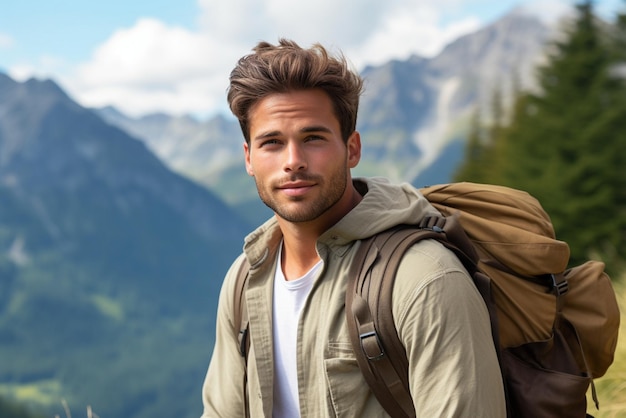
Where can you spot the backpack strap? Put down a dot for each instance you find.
(240, 320)
(379, 352)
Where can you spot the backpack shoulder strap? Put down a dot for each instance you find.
(241, 324)
(240, 321)
(378, 350)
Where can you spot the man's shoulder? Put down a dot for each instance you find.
(429, 273)
(430, 255)
(429, 263)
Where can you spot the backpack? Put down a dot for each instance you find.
(554, 329)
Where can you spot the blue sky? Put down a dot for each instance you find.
(175, 56)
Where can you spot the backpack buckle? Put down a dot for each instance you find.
(559, 287)
(371, 346)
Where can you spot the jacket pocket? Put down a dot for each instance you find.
(349, 395)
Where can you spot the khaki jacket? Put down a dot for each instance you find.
(439, 315)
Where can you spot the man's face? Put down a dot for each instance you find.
(300, 164)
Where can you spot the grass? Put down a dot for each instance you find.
(68, 413)
(108, 307)
(611, 388)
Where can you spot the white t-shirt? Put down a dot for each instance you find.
(289, 297)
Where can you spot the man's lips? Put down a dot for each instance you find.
(297, 188)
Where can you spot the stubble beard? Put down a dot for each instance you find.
(337, 184)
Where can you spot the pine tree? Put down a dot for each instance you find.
(565, 144)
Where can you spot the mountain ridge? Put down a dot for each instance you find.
(107, 259)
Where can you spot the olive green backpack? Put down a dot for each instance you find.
(554, 328)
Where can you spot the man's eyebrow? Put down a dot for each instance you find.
(270, 134)
(306, 129)
(315, 128)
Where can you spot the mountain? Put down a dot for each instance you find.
(410, 112)
(202, 149)
(110, 263)
(210, 152)
(416, 107)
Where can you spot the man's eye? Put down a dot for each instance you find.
(268, 142)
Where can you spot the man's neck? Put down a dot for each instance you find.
(299, 253)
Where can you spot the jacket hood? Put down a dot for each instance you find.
(383, 206)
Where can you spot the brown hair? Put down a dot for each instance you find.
(287, 67)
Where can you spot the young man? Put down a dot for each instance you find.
(297, 109)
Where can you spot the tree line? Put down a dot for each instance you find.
(565, 141)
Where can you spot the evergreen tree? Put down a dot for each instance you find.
(566, 144)
(497, 140)
(585, 125)
(481, 147)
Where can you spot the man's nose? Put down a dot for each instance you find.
(295, 158)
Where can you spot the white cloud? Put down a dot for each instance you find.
(547, 10)
(368, 31)
(401, 36)
(154, 67)
(246, 21)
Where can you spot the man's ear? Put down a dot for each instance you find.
(354, 149)
(246, 150)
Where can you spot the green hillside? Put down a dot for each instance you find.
(110, 264)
